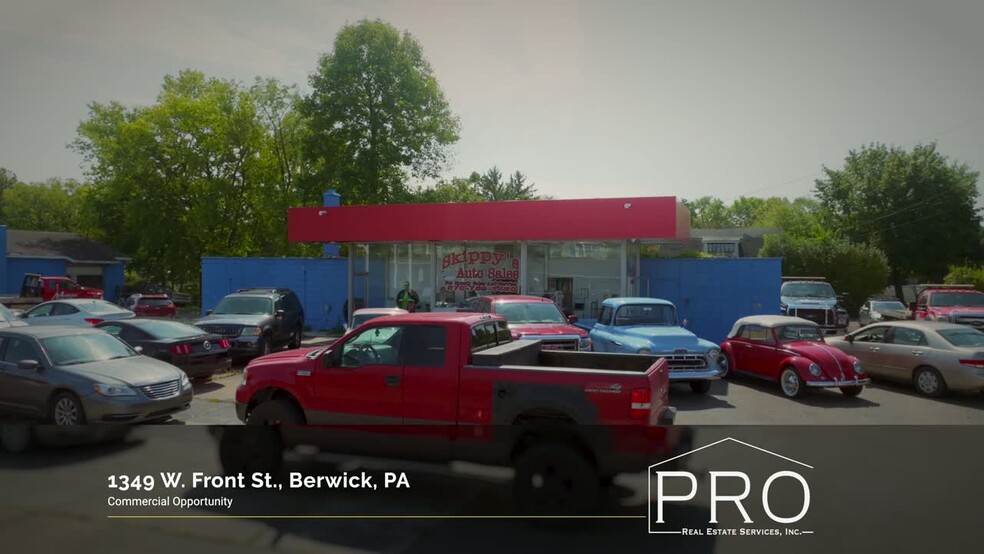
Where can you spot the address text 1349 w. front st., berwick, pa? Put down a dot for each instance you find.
(258, 480)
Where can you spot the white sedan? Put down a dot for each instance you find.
(74, 311)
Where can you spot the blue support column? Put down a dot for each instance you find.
(332, 200)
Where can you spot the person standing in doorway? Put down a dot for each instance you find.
(407, 298)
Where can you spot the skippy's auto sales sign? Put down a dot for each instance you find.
(748, 491)
(480, 271)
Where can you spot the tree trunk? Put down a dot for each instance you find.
(897, 281)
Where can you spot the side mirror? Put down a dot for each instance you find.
(329, 358)
(209, 312)
(849, 338)
(29, 365)
(280, 314)
(572, 319)
(138, 350)
(686, 323)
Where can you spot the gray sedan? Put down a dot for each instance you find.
(935, 357)
(73, 375)
(84, 312)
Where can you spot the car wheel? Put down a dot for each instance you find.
(245, 450)
(66, 409)
(791, 384)
(555, 479)
(295, 339)
(929, 382)
(275, 412)
(700, 387)
(16, 438)
(852, 391)
(724, 362)
(266, 345)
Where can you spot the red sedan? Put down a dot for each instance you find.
(792, 352)
(151, 305)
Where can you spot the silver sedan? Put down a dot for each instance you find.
(935, 357)
(83, 312)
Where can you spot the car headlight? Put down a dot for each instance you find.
(252, 331)
(644, 351)
(815, 370)
(185, 382)
(858, 368)
(584, 343)
(113, 390)
(713, 354)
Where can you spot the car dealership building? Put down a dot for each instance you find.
(576, 252)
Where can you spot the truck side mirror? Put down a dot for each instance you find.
(280, 314)
(912, 306)
(329, 358)
(572, 319)
(209, 312)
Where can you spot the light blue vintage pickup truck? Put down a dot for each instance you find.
(649, 326)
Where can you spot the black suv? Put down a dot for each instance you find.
(257, 320)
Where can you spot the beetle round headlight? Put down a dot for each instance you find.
(858, 368)
(815, 370)
(713, 354)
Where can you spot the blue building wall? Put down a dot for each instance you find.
(320, 283)
(713, 293)
(112, 281)
(17, 267)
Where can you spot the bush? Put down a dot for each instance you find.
(965, 275)
(859, 270)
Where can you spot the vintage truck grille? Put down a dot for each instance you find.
(821, 317)
(161, 390)
(224, 330)
(558, 344)
(684, 362)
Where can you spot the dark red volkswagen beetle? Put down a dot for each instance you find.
(791, 351)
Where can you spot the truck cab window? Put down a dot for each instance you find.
(375, 346)
(425, 346)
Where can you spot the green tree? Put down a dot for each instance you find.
(859, 270)
(50, 206)
(708, 212)
(377, 115)
(917, 207)
(208, 170)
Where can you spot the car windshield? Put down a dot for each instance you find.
(645, 314)
(244, 305)
(82, 349)
(889, 305)
(100, 307)
(170, 329)
(796, 333)
(950, 299)
(530, 312)
(808, 290)
(971, 338)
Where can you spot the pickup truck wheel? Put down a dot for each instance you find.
(295, 338)
(251, 449)
(275, 412)
(266, 345)
(553, 479)
(791, 384)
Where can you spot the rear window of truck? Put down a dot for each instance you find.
(489, 334)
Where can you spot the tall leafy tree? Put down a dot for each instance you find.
(206, 170)
(917, 207)
(377, 115)
(708, 212)
(50, 206)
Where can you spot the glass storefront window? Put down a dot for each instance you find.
(468, 270)
(577, 276)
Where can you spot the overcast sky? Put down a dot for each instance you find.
(589, 99)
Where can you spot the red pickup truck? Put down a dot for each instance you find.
(455, 386)
(950, 303)
(50, 288)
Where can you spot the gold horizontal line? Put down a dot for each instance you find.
(371, 517)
